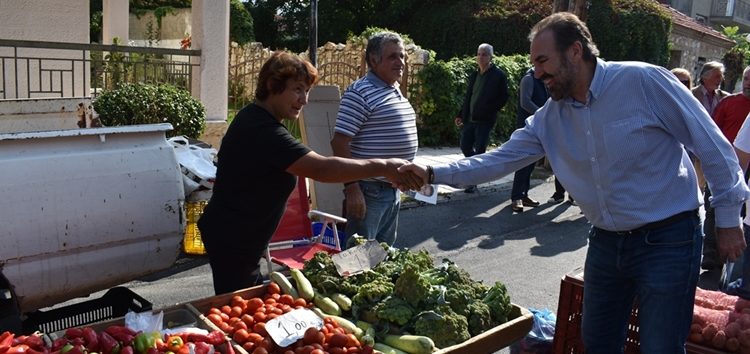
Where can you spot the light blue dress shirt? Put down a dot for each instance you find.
(622, 154)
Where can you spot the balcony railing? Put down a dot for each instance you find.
(735, 10)
(31, 69)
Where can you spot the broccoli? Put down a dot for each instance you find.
(479, 317)
(443, 325)
(498, 300)
(368, 296)
(396, 310)
(322, 273)
(397, 258)
(459, 298)
(412, 286)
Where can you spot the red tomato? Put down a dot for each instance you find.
(240, 336)
(215, 319)
(273, 288)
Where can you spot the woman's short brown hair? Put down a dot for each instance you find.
(279, 68)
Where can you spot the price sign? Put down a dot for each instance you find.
(288, 328)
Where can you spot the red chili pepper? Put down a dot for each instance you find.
(91, 339)
(73, 333)
(7, 340)
(58, 343)
(126, 350)
(34, 342)
(216, 337)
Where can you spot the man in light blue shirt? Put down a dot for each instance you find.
(615, 134)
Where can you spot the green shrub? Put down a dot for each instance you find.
(441, 90)
(148, 104)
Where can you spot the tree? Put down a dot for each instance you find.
(240, 23)
(735, 59)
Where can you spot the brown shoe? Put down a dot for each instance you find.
(517, 206)
(529, 202)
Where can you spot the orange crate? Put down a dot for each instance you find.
(570, 312)
(192, 242)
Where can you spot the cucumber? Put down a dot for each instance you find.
(382, 348)
(344, 302)
(327, 305)
(304, 288)
(410, 343)
(284, 284)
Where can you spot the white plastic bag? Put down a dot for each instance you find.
(196, 164)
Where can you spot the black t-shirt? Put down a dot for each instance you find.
(252, 185)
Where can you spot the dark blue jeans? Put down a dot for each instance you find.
(522, 182)
(659, 268)
(475, 136)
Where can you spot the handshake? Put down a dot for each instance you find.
(405, 175)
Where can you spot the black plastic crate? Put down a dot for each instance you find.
(116, 302)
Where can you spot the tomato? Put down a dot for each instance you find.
(273, 288)
(353, 350)
(233, 320)
(299, 302)
(271, 316)
(240, 325)
(254, 303)
(224, 317)
(353, 341)
(249, 320)
(338, 340)
(225, 327)
(235, 311)
(286, 299)
(215, 319)
(337, 350)
(260, 350)
(260, 328)
(259, 317)
(270, 301)
(214, 310)
(313, 335)
(254, 337)
(249, 346)
(237, 300)
(226, 309)
(289, 352)
(240, 336)
(317, 351)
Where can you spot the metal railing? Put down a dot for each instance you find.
(738, 10)
(35, 69)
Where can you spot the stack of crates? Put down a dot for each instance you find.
(192, 243)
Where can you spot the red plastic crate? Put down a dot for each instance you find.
(570, 312)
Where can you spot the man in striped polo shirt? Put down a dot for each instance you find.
(375, 120)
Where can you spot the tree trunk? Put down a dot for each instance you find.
(580, 9)
(560, 6)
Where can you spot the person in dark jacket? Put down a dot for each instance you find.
(486, 94)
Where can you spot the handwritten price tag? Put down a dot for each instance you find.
(290, 327)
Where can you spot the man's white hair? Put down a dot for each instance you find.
(487, 48)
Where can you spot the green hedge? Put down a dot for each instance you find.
(441, 90)
(148, 104)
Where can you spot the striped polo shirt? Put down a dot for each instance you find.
(380, 120)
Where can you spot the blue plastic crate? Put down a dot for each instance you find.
(328, 235)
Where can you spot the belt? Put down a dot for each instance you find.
(656, 224)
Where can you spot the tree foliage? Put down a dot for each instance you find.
(240, 23)
(735, 59)
(441, 90)
(631, 30)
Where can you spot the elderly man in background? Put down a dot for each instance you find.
(376, 120)
(729, 115)
(486, 95)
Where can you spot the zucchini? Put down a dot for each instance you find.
(284, 284)
(327, 305)
(382, 348)
(342, 322)
(304, 288)
(344, 302)
(410, 343)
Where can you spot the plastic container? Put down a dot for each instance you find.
(570, 312)
(328, 235)
(116, 302)
(192, 243)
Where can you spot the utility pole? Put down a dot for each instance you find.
(313, 33)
